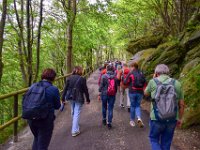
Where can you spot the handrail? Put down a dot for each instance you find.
(15, 94)
(26, 89)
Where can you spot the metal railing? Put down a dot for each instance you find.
(16, 94)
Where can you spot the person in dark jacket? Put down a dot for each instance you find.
(107, 99)
(42, 129)
(78, 82)
(137, 84)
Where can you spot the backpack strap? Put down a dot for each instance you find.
(77, 82)
(157, 81)
(172, 82)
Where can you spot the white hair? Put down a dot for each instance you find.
(162, 69)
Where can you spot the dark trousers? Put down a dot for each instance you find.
(107, 103)
(42, 131)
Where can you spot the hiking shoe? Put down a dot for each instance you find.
(109, 126)
(140, 123)
(76, 134)
(129, 109)
(122, 105)
(104, 122)
(132, 123)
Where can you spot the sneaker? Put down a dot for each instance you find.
(104, 122)
(129, 109)
(132, 123)
(76, 134)
(140, 123)
(122, 105)
(109, 126)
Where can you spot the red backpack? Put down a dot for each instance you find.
(111, 86)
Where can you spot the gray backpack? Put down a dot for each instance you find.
(165, 101)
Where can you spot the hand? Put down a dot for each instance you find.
(154, 75)
(179, 123)
(99, 97)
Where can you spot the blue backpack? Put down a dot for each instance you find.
(35, 106)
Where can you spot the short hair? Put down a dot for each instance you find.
(119, 67)
(109, 68)
(48, 74)
(162, 69)
(134, 64)
(77, 70)
(125, 65)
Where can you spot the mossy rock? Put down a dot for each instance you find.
(191, 87)
(192, 54)
(144, 43)
(189, 66)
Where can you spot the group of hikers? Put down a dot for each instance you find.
(167, 104)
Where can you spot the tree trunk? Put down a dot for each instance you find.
(38, 41)
(29, 48)
(71, 21)
(2, 25)
(21, 44)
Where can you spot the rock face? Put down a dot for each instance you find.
(183, 58)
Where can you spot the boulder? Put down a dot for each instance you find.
(144, 43)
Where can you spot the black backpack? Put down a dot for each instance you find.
(35, 105)
(139, 80)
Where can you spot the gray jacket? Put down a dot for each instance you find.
(103, 88)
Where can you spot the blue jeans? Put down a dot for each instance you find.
(161, 135)
(135, 99)
(107, 103)
(75, 112)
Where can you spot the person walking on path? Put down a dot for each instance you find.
(74, 91)
(167, 108)
(137, 83)
(124, 88)
(108, 90)
(39, 104)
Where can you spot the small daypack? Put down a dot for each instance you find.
(72, 93)
(111, 86)
(165, 102)
(35, 106)
(139, 80)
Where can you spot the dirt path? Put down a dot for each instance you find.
(93, 135)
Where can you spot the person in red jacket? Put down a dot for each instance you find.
(124, 87)
(137, 84)
(103, 71)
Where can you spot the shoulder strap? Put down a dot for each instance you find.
(77, 82)
(172, 82)
(157, 81)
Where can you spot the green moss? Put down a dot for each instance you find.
(144, 43)
(191, 87)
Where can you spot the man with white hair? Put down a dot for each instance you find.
(167, 107)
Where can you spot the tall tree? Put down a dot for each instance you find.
(71, 20)
(2, 26)
(29, 47)
(38, 40)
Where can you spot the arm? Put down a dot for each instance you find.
(56, 99)
(181, 109)
(65, 91)
(127, 80)
(85, 89)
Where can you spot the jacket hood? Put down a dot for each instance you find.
(103, 71)
(126, 71)
(110, 74)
